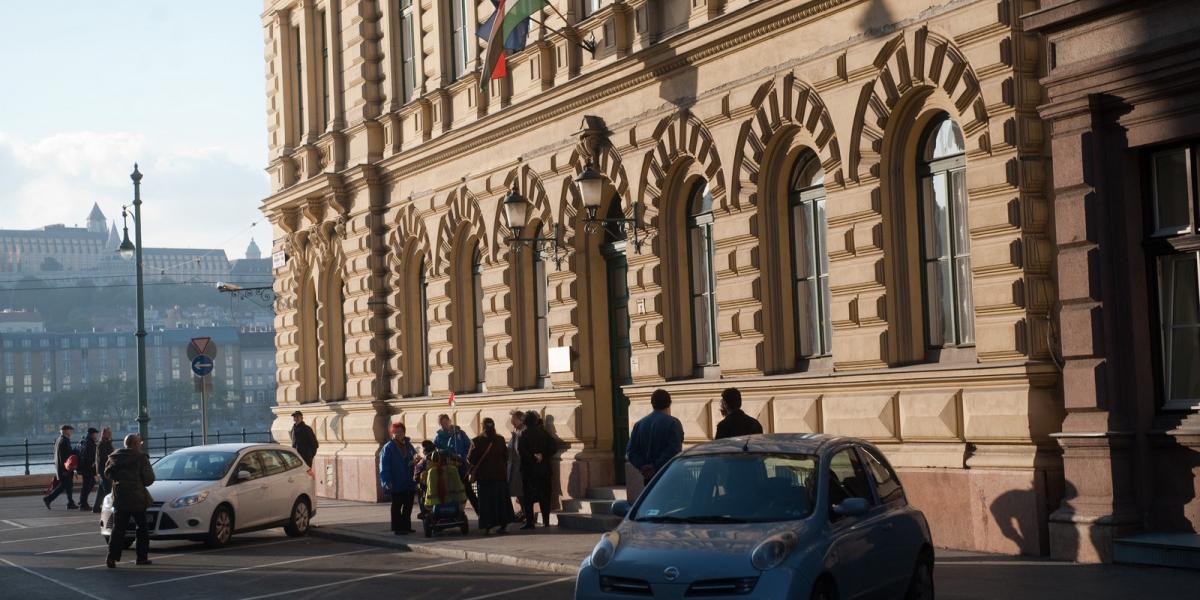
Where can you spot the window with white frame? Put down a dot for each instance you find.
(460, 39)
(1174, 249)
(945, 236)
(701, 274)
(323, 30)
(810, 258)
(408, 62)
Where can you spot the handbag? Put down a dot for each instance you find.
(71, 463)
(471, 476)
(53, 484)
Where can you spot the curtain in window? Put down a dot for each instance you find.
(702, 276)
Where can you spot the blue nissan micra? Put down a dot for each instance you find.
(767, 517)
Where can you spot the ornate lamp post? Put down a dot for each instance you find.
(516, 213)
(591, 189)
(129, 250)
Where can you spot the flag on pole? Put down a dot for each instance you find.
(452, 402)
(505, 32)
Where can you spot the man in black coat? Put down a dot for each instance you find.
(87, 468)
(735, 422)
(104, 449)
(66, 478)
(130, 473)
(537, 449)
(304, 439)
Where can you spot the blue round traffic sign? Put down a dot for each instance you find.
(202, 365)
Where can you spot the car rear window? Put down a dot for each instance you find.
(886, 483)
(291, 461)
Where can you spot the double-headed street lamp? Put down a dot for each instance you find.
(130, 250)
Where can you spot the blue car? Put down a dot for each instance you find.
(767, 517)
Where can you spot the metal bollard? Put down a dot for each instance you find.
(191, 437)
(243, 435)
(26, 456)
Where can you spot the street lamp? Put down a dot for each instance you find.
(133, 250)
(591, 191)
(516, 213)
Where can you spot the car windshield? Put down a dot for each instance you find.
(193, 466)
(732, 488)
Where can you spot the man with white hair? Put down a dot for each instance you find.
(130, 473)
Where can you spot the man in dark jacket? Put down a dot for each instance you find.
(396, 464)
(66, 478)
(87, 467)
(104, 449)
(130, 473)
(537, 449)
(656, 438)
(735, 422)
(304, 439)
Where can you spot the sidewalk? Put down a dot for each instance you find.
(546, 549)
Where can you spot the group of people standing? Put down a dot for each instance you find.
(87, 459)
(501, 470)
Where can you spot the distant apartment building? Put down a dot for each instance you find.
(21, 321)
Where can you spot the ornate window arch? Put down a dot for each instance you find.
(528, 283)
(409, 260)
(462, 242)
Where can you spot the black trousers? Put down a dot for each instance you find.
(66, 483)
(85, 488)
(536, 490)
(402, 507)
(472, 497)
(103, 489)
(116, 542)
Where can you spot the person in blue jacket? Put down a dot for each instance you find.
(451, 438)
(656, 438)
(396, 464)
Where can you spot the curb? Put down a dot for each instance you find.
(551, 566)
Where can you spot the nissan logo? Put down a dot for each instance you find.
(671, 573)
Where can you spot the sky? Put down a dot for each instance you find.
(89, 88)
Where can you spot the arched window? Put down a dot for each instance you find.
(541, 328)
(306, 337)
(416, 332)
(810, 257)
(702, 277)
(945, 237)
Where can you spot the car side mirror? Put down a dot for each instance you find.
(243, 476)
(620, 508)
(852, 507)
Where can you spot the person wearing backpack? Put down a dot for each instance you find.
(86, 451)
(65, 476)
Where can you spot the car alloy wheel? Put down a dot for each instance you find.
(301, 516)
(221, 529)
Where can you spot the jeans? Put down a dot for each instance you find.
(402, 507)
(89, 481)
(66, 483)
(116, 542)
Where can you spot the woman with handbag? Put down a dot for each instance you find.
(488, 458)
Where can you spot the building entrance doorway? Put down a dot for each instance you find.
(620, 350)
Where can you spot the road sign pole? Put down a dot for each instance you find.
(204, 410)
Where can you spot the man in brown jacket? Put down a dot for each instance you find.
(130, 473)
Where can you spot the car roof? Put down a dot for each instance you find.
(238, 447)
(785, 443)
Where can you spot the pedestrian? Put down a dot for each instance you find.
(66, 477)
(517, 419)
(130, 473)
(396, 471)
(423, 464)
(451, 439)
(304, 439)
(104, 449)
(489, 470)
(656, 437)
(735, 422)
(537, 448)
(87, 468)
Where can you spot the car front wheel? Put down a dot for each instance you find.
(920, 586)
(301, 517)
(220, 529)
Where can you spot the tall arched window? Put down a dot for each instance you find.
(945, 237)
(477, 306)
(810, 257)
(541, 328)
(416, 332)
(460, 38)
(702, 277)
(306, 338)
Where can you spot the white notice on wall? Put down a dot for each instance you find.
(278, 260)
(560, 359)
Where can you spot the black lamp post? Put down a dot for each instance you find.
(516, 213)
(129, 250)
(591, 191)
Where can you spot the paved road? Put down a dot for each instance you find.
(60, 555)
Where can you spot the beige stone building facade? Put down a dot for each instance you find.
(840, 207)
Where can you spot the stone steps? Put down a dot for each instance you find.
(1180, 550)
(594, 512)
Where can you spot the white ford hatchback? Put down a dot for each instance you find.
(207, 493)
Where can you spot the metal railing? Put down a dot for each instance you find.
(157, 446)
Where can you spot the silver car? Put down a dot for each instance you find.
(771, 517)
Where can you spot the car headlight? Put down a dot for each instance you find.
(605, 550)
(189, 500)
(773, 551)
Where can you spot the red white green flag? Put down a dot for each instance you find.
(505, 32)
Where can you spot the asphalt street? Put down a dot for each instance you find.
(61, 555)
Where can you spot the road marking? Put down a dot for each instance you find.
(162, 556)
(50, 537)
(76, 521)
(14, 524)
(70, 550)
(1010, 563)
(51, 579)
(355, 580)
(521, 589)
(227, 571)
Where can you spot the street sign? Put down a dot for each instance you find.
(278, 260)
(202, 365)
(202, 346)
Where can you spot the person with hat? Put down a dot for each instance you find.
(86, 450)
(65, 476)
(304, 439)
(396, 464)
